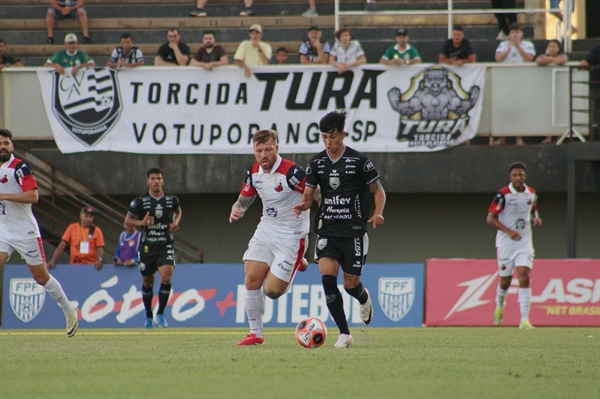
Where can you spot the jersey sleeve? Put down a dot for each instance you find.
(135, 208)
(248, 189)
(296, 178)
(114, 56)
(503, 46)
(497, 204)
(303, 49)
(24, 176)
(368, 171)
(68, 234)
(139, 55)
(311, 174)
(99, 237)
(389, 54)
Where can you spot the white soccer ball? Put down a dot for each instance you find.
(311, 332)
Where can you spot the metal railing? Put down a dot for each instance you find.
(451, 11)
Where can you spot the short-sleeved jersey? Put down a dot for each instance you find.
(409, 53)
(8, 60)
(75, 234)
(349, 55)
(157, 236)
(215, 55)
(66, 60)
(311, 52)
(16, 219)
(279, 191)
(167, 54)
(463, 51)
(345, 194)
(134, 56)
(249, 54)
(514, 210)
(514, 57)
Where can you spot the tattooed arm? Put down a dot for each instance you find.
(240, 207)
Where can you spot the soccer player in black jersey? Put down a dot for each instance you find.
(157, 214)
(347, 179)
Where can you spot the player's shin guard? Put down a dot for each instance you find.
(147, 299)
(56, 292)
(335, 303)
(358, 292)
(524, 302)
(163, 297)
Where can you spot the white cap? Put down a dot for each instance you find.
(256, 27)
(71, 37)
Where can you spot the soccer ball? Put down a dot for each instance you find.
(311, 332)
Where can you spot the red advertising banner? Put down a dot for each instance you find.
(462, 292)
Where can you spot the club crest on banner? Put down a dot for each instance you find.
(88, 104)
(396, 296)
(434, 110)
(26, 298)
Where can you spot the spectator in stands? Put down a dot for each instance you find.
(253, 52)
(85, 241)
(7, 60)
(67, 9)
(555, 56)
(210, 54)
(282, 55)
(515, 50)
(346, 52)
(312, 9)
(174, 52)
(402, 53)
(592, 61)
(126, 55)
(458, 50)
(199, 11)
(70, 58)
(127, 252)
(505, 20)
(313, 51)
(247, 11)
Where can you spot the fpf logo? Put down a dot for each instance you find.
(26, 298)
(396, 296)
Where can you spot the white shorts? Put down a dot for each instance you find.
(283, 256)
(31, 250)
(510, 257)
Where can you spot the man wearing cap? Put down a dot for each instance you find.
(253, 52)
(313, 51)
(67, 9)
(402, 53)
(173, 52)
(70, 57)
(86, 242)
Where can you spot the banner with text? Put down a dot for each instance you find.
(160, 110)
(204, 296)
(462, 292)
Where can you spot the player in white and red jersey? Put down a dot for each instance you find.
(276, 250)
(18, 228)
(511, 214)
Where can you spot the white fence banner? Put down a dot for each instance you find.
(158, 110)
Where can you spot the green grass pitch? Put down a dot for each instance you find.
(384, 363)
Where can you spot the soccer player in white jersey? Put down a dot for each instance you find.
(511, 214)
(18, 228)
(276, 250)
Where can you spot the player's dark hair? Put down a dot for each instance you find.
(339, 32)
(281, 49)
(154, 171)
(333, 120)
(5, 132)
(517, 165)
(208, 32)
(262, 136)
(458, 28)
(515, 26)
(558, 44)
(126, 36)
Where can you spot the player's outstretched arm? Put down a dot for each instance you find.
(493, 221)
(240, 207)
(26, 197)
(306, 201)
(377, 189)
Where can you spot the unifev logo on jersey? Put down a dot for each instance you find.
(396, 296)
(87, 104)
(26, 298)
(434, 111)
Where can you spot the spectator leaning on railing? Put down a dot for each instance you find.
(210, 54)
(346, 52)
(7, 60)
(313, 51)
(70, 58)
(402, 53)
(174, 52)
(126, 55)
(458, 50)
(253, 52)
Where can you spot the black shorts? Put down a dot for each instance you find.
(350, 252)
(149, 263)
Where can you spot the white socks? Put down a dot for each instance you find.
(55, 290)
(254, 309)
(500, 295)
(524, 302)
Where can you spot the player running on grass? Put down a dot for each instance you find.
(18, 228)
(275, 251)
(346, 179)
(510, 212)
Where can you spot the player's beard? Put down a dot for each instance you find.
(5, 156)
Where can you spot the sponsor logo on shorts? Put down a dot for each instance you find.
(26, 298)
(357, 247)
(321, 243)
(142, 266)
(396, 296)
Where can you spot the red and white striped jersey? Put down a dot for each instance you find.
(16, 219)
(279, 191)
(514, 210)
